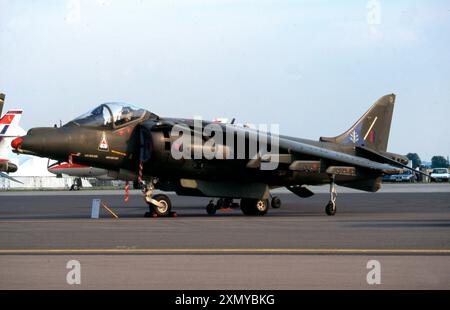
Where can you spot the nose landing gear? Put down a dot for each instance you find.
(159, 205)
(330, 209)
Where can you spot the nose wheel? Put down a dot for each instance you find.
(330, 209)
(159, 205)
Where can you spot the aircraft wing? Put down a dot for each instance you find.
(295, 146)
(4, 175)
(312, 150)
(382, 163)
(386, 159)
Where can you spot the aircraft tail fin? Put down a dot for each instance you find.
(9, 123)
(2, 101)
(372, 129)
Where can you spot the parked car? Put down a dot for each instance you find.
(407, 176)
(440, 175)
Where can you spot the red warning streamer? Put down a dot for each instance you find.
(127, 190)
(141, 166)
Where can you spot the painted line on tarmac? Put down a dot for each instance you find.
(181, 218)
(228, 251)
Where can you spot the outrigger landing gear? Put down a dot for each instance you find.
(330, 209)
(159, 205)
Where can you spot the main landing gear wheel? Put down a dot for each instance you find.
(330, 209)
(256, 207)
(276, 202)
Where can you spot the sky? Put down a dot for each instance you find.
(313, 67)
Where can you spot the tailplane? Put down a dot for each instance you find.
(372, 129)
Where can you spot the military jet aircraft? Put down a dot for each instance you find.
(137, 145)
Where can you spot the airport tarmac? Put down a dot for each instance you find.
(405, 227)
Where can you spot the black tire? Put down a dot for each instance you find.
(276, 202)
(167, 205)
(254, 207)
(211, 208)
(330, 209)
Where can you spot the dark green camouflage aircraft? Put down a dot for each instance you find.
(224, 161)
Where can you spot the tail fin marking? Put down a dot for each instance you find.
(372, 129)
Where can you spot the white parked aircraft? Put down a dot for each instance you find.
(9, 130)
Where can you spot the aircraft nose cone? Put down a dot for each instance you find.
(16, 143)
(42, 142)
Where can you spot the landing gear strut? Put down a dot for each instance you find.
(330, 209)
(159, 205)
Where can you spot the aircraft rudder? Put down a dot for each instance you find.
(372, 129)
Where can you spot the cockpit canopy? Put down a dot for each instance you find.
(110, 114)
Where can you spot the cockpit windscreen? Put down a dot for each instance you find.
(111, 114)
